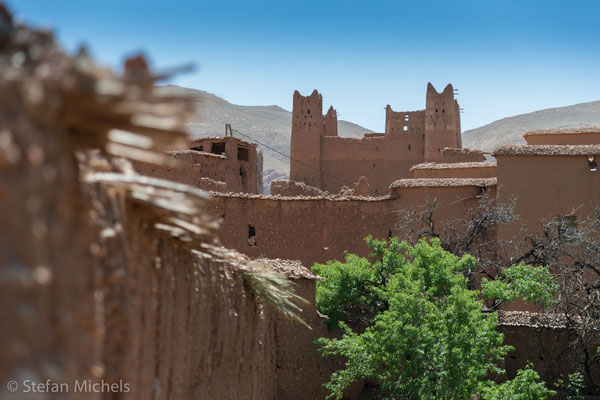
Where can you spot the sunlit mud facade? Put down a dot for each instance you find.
(322, 159)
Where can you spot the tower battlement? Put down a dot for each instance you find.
(322, 159)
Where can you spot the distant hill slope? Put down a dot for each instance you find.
(270, 125)
(510, 130)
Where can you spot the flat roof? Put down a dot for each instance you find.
(563, 131)
(199, 140)
(460, 165)
(442, 182)
(290, 268)
(175, 153)
(547, 150)
(531, 319)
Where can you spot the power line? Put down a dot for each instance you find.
(321, 170)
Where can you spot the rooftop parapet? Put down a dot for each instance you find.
(563, 131)
(461, 165)
(292, 269)
(547, 150)
(442, 182)
(531, 319)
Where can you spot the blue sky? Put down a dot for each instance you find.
(505, 57)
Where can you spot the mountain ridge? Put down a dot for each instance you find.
(510, 130)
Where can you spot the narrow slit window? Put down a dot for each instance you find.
(251, 236)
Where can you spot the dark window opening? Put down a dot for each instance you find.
(218, 148)
(409, 146)
(308, 111)
(242, 154)
(592, 163)
(390, 235)
(251, 235)
(198, 148)
(443, 110)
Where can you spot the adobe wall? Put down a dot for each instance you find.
(565, 136)
(47, 276)
(202, 170)
(316, 229)
(301, 371)
(442, 122)
(454, 170)
(382, 160)
(412, 122)
(208, 170)
(458, 155)
(322, 159)
(240, 170)
(547, 181)
(292, 189)
(193, 330)
(110, 276)
(547, 346)
(190, 329)
(308, 125)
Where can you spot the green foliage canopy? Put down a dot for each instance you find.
(410, 322)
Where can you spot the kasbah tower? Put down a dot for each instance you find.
(322, 159)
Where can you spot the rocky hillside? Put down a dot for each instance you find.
(270, 125)
(511, 129)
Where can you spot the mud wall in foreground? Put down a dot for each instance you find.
(110, 277)
(182, 325)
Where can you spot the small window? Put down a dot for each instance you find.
(198, 148)
(406, 117)
(218, 148)
(251, 236)
(308, 111)
(242, 154)
(409, 147)
(405, 129)
(592, 163)
(443, 110)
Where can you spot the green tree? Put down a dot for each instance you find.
(410, 322)
(525, 386)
